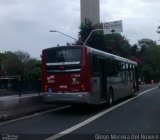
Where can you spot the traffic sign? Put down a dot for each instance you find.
(112, 27)
(107, 26)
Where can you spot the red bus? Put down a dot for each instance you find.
(80, 74)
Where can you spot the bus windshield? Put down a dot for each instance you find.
(55, 56)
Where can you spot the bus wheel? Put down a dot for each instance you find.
(110, 97)
(133, 91)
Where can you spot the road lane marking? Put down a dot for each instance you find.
(36, 114)
(71, 129)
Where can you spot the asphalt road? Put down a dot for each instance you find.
(140, 118)
(136, 116)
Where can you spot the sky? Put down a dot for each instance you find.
(25, 24)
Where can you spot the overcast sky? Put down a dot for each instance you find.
(25, 24)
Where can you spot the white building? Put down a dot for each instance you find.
(90, 9)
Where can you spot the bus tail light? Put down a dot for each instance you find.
(83, 86)
(45, 87)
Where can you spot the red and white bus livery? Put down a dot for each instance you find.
(80, 74)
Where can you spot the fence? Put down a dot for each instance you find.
(19, 87)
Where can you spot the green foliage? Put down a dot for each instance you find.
(34, 74)
(11, 64)
(117, 44)
(147, 72)
(134, 50)
(150, 53)
(85, 30)
(20, 63)
(144, 44)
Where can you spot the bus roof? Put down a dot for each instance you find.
(112, 56)
(100, 53)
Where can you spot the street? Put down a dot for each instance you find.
(138, 116)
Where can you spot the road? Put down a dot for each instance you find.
(138, 116)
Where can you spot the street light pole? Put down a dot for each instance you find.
(84, 43)
(66, 35)
(91, 34)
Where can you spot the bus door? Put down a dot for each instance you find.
(103, 79)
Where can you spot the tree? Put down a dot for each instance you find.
(20, 63)
(134, 50)
(11, 64)
(117, 44)
(34, 69)
(85, 30)
(144, 44)
(2, 56)
(23, 56)
(35, 74)
(150, 53)
(147, 73)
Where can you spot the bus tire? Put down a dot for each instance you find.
(110, 97)
(133, 91)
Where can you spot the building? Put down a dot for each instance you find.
(90, 9)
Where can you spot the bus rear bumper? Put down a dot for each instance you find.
(67, 98)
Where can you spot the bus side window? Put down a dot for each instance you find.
(130, 73)
(94, 64)
(123, 72)
(109, 67)
(133, 72)
(126, 72)
(113, 68)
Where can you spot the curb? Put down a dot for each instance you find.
(18, 107)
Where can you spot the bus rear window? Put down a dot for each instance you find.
(63, 55)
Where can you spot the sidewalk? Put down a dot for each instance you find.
(143, 87)
(14, 106)
(16, 96)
